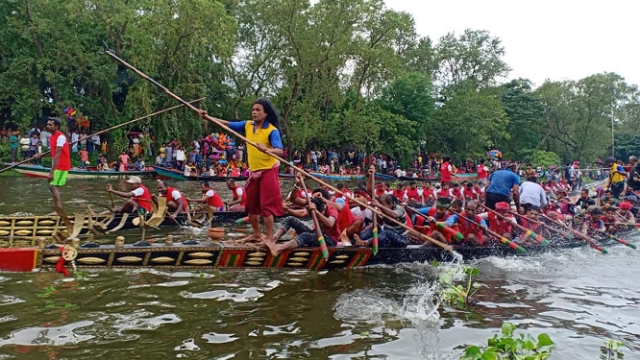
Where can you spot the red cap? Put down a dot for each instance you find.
(502, 206)
(625, 205)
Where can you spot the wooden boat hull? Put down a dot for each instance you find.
(179, 176)
(23, 230)
(36, 171)
(212, 256)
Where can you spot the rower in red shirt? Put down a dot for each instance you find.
(138, 199)
(414, 195)
(483, 171)
(239, 196)
(176, 202)
(473, 234)
(499, 224)
(426, 223)
(446, 170)
(209, 197)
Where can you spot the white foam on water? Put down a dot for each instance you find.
(419, 305)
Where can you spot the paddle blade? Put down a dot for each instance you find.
(375, 241)
(323, 247)
(242, 220)
(631, 246)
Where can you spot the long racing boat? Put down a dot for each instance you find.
(206, 255)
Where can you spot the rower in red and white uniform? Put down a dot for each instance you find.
(483, 171)
(444, 191)
(176, 202)
(399, 192)
(456, 192)
(426, 223)
(473, 234)
(498, 224)
(446, 170)
(239, 196)
(138, 199)
(415, 196)
(469, 193)
(209, 197)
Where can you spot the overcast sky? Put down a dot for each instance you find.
(543, 39)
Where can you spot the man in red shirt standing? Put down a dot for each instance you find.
(60, 166)
(446, 170)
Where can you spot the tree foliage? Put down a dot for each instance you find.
(342, 74)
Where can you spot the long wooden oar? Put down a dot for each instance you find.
(502, 239)
(582, 236)
(527, 232)
(615, 238)
(249, 142)
(440, 225)
(314, 216)
(548, 227)
(103, 131)
(374, 242)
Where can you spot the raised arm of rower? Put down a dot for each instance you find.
(389, 212)
(121, 194)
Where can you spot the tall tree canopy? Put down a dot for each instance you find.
(340, 72)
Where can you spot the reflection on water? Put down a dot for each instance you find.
(579, 297)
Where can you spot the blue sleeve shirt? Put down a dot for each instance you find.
(501, 182)
(274, 137)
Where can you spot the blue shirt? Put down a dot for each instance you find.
(454, 219)
(502, 181)
(274, 136)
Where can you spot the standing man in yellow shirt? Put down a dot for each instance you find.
(263, 186)
(617, 177)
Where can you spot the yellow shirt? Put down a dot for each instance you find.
(257, 159)
(615, 175)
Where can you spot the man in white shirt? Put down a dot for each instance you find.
(44, 138)
(532, 194)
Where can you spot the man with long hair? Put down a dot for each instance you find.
(263, 186)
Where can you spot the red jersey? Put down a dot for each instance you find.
(445, 174)
(482, 173)
(531, 225)
(345, 218)
(333, 231)
(498, 225)
(466, 227)
(398, 193)
(236, 196)
(412, 194)
(214, 199)
(144, 200)
(64, 163)
(169, 196)
(470, 194)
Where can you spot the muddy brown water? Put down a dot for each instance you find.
(579, 297)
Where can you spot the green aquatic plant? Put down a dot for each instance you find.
(459, 295)
(611, 350)
(508, 346)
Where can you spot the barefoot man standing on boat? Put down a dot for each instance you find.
(263, 187)
(60, 166)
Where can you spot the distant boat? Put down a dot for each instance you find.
(41, 172)
(179, 176)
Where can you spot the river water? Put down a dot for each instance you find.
(579, 297)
